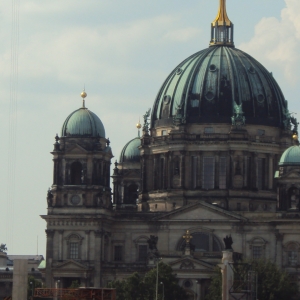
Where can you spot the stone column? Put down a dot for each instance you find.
(144, 173)
(169, 185)
(182, 169)
(98, 245)
(227, 274)
(49, 257)
(199, 183)
(278, 253)
(20, 279)
(154, 173)
(60, 246)
(255, 170)
(87, 244)
(217, 169)
(271, 171)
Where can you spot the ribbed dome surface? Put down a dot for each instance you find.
(208, 84)
(131, 152)
(83, 122)
(290, 156)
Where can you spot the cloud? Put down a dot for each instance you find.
(277, 41)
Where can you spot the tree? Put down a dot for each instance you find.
(74, 285)
(137, 287)
(272, 282)
(32, 284)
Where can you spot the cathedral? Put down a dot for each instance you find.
(217, 155)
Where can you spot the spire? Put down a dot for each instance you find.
(139, 126)
(222, 28)
(83, 96)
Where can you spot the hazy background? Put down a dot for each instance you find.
(122, 50)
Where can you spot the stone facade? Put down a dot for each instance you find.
(205, 165)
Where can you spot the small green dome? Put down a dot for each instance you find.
(290, 156)
(83, 122)
(131, 151)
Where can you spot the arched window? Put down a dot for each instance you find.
(293, 196)
(202, 242)
(292, 254)
(74, 242)
(131, 194)
(76, 173)
(257, 247)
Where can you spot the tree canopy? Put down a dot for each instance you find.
(272, 282)
(137, 287)
(31, 285)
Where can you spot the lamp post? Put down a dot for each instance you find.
(157, 261)
(163, 290)
(31, 287)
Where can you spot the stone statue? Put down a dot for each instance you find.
(146, 123)
(295, 123)
(238, 119)
(152, 242)
(178, 118)
(49, 198)
(3, 248)
(228, 242)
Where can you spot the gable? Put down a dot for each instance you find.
(202, 211)
(70, 265)
(191, 264)
(76, 149)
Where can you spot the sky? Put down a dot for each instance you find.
(121, 51)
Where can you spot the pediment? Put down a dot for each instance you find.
(189, 263)
(71, 265)
(76, 149)
(292, 174)
(202, 211)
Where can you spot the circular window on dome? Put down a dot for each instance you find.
(212, 68)
(75, 200)
(251, 70)
(210, 96)
(178, 71)
(260, 98)
(167, 99)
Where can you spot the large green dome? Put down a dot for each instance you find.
(83, 122)
(207, 86)
(290, 156)
(131, 151)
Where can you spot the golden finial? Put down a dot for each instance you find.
(295, 136)
(83, 96)
(139, 126)
(222, 17)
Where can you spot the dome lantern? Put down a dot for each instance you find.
(222, 28)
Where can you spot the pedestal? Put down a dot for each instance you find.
(227, 274)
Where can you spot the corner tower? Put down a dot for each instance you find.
(79, 199)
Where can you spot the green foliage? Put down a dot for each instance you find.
(137, 287)
(272, 282)
(74, 285)
(215, 288)
(31, 285)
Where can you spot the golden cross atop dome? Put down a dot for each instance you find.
(222, 17)
(187, 237)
